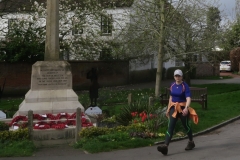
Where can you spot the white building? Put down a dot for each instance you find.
(110, 28)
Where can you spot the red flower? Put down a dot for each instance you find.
(144, 117)
(134, 114)
(143, 114)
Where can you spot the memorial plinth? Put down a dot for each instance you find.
(51, 90)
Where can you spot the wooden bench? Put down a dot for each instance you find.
(198, 95)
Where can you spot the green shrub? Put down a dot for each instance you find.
(125, 117)
(92, 132)
(104, 121)
(4, 126)
(20, 134)
(136, 127)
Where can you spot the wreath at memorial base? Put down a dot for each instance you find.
(55, 122)
(20, 121)
(41, 125)
(62, 115)
(38, 117)
(72, 120)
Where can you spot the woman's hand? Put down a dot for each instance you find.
(185, 111)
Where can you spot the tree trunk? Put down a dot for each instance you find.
(160, 52)
(187, 75)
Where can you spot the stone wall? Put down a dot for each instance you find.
(110, 73)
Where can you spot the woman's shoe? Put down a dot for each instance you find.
(163, 149)
(190, 145)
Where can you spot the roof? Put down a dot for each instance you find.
(25, 5)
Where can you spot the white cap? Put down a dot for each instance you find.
(178, 72)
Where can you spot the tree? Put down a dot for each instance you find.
(213, 27)
(22, 45)
(168, 29)
(231, 37)
(213, 19)
(19, 44)
(194, 34)
(145, 37)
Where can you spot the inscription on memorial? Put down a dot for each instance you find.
(50, 77)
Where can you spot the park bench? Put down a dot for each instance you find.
(198, 95)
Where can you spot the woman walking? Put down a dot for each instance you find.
(179, 108)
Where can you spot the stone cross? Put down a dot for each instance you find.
(52, 31)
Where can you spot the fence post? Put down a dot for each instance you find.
(78, 123)
(30, 124)
(239, 68)
(150, 101)
(129, 98)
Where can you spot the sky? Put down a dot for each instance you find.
(227, 7)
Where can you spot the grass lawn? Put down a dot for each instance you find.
(17, 149)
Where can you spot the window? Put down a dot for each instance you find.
(76, 29)
(106, 25)
(11, 23)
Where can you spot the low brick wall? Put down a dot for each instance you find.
(110, 73)
(143, 76)
(205, 69)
